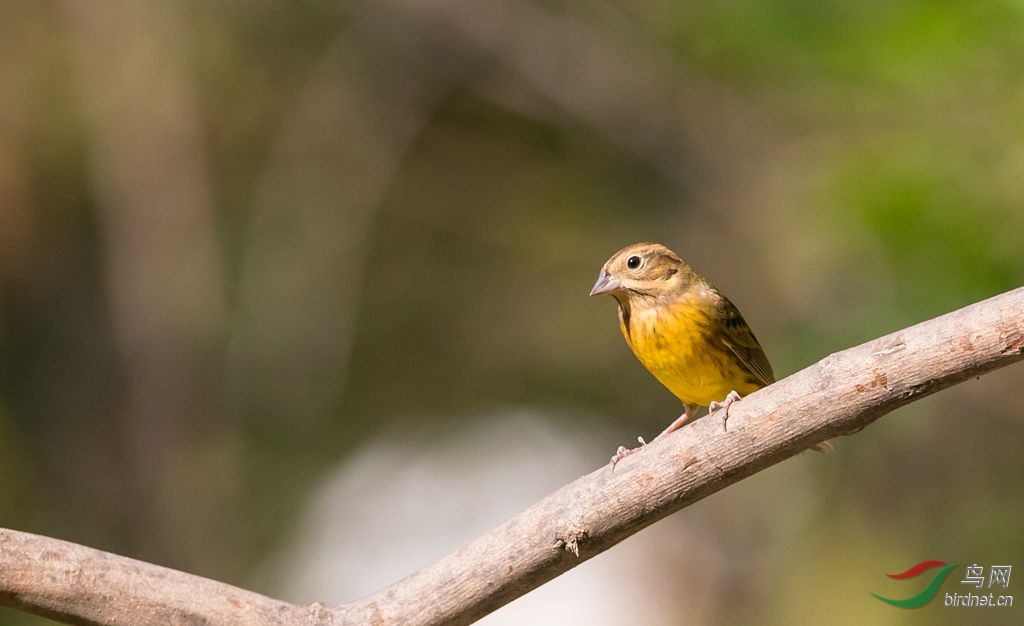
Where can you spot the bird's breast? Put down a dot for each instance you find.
(676, 343)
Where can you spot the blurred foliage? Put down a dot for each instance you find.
(239, 240)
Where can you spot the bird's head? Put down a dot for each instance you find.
(644, 269)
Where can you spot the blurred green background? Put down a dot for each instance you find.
(244, 245)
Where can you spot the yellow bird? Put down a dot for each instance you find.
(684, 331)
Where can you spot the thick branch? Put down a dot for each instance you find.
(839, 395)
(79, 585)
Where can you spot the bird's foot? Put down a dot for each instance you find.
(724, 404)
(623, 452)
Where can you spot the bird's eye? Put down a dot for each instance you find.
(633, 262)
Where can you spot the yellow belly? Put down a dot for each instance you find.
(674, 346)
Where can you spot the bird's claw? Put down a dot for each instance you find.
(623, 452)
(724, 404)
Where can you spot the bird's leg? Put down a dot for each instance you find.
(688, 413)
(724, 404)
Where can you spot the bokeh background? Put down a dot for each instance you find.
(294, 295)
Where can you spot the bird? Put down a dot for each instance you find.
(684, 331)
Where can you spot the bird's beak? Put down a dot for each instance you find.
(604, 284)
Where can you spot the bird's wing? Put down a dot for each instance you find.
(741, 341)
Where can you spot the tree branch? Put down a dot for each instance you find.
(79, 585)
(839, 395)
